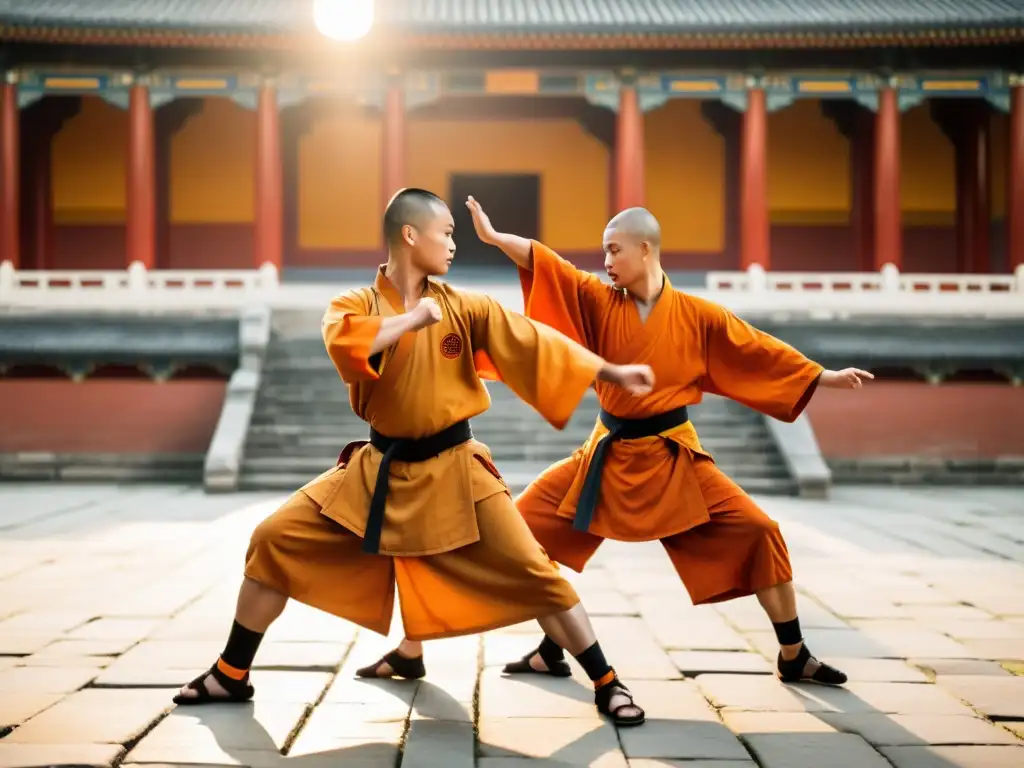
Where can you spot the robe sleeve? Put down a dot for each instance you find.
(755, 368)
(349, 331)
(545, 369)
(558, 294)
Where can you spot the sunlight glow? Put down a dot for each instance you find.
(344, 20)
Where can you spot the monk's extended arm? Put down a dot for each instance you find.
(545, 369)
(754, 368)
(517, 248)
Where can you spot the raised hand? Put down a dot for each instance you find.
(426, 313)
(848, 378)
(481, 222)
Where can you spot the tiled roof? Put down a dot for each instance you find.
(529, 16)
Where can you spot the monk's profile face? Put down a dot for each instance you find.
(431, 240)
(624, 257)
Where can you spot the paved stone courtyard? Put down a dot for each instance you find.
(110, 597)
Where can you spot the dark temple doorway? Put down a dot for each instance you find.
(511, 200)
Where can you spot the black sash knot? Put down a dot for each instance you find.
(618, 429)
(404, 449)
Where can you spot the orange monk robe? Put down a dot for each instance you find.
(463, 558)
(663, 487)
(428, 382)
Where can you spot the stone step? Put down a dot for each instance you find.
(303, 419)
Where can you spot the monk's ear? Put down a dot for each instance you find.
(409, 234)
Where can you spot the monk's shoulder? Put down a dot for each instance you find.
(357, 300)
(697, 307)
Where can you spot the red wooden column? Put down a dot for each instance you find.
(1015, 181)
(976, 199)
(393, 160)
(630, 182)
(140, 228)
(888, 223)
(862, 161)
(269, 222)
(10, 174)
(42, 215)
(755, 228)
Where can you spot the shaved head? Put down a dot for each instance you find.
(413, 207)
(638, 224)
(632, 250)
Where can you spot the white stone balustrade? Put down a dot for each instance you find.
(134, 288)
(887, 292)
(754, 291)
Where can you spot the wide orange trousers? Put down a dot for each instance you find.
(504, 578)
(739, 552)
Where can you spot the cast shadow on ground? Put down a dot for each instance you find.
(821, 725)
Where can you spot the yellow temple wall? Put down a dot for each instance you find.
(339, 194)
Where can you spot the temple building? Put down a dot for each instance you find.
(815, 135)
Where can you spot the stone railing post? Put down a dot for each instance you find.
(137, 277)
(890, 278)
(268, 276)
(758, 278)
(6, 280)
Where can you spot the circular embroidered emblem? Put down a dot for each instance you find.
(451, 346)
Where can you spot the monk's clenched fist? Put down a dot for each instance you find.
(426, 313)
(637, 379)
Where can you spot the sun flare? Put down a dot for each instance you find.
(344, 20)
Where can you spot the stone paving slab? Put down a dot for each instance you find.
(999, 698)
(648, 763)
(951, 667)
(606, 760)
(116, 597)
(955, 757)
(693, 663)
(49, 755)
(575, 741)
(45, 679)
(435, 743)
(681, 739)
(808, 750)
(919, 730)
(94, 716)
(16, 709)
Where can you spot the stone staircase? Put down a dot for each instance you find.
(742, 446)
(302, 420)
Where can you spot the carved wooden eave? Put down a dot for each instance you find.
(510, 41)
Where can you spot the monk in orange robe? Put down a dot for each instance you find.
(643, 475)
(420, 506)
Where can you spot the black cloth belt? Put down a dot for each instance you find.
(404, 449)
(618, 429)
